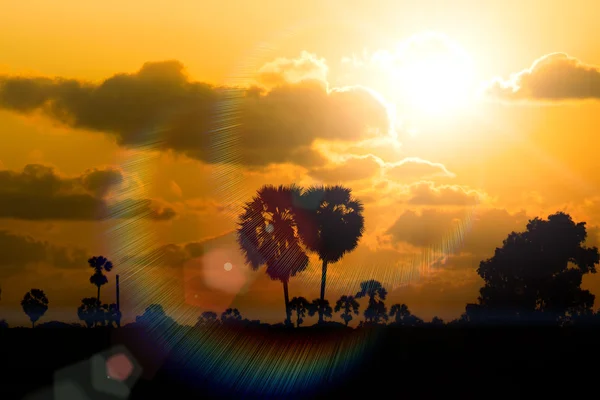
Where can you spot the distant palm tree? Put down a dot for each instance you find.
(320, 307)
(231, 315)
(437, 321)
(330, 223)
(88, 311)
(35, 305)
(207, 318)
(301, 306)
(267, 235)
(399, 312)
(348, 305)
(404, 317)
(376, 293)
(100, 265)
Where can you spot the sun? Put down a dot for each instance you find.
(431, 75)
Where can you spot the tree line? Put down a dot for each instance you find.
(535, 276)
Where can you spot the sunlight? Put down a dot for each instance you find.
(432, 75)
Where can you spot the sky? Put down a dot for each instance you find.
(137, 131)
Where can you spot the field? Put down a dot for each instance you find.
(253, 362)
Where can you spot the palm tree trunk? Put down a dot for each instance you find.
(298, 318)
(98, 295)
(286, 295)
(33, 324)
(323, 280)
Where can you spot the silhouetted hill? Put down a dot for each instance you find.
(318, 362)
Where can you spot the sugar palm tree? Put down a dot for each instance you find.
(35, 305)
(320, 307)
(348, 305)
(267, 236)
(330, 223)
(376, 293)
(100, 265)
(301, 306)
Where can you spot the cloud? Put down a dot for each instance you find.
(553, 77)
(412, 168)
(293, 70)
(475, 231)
(20, 252)
(427, 194)
(160, 106)
(39, 193)
(353, 168)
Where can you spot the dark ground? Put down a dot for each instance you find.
(398, 362)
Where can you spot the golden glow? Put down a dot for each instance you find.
(433, 76)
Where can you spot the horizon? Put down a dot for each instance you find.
(143, 142)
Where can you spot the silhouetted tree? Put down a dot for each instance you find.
(348, 305)
(3, 323)
(330, 223)
(301, 306)
(403, 316)
(155, 316)
(100, 265)
(231, 316)
(35, 305)
(538, 273)
(320, 307)
(89, 311)
(399, 312)
(437, 321)
(376, 310)
(267, 235)
(207, 318)
(111, 314)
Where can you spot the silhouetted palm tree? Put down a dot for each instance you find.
(100, 264)
(437, 321)
(399, 312)
(35, 305)
(404, 317)
(330, 223)
(374, 290)
(301, 306)
(267, 235)
(231, 315)
(88, 311)
(320, 307)
(348, 305)
(207, 318)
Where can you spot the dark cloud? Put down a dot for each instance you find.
(553, 77)
(20, 252)
(39, 193)
(159, 105)
(426, 193)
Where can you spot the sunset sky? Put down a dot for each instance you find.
(137, 129)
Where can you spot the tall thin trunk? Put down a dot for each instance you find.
(286, 295)
(298, 318)
(98, 295)
(323, 280)
(33, 324)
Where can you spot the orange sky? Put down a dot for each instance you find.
(345, 99)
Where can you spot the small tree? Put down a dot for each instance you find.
(207, 318)
(89, 311)
(301, 306)
(100, 265)
(35, 305)
(231, 316)
(376, 310)
(348, 305)
(321, 308)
